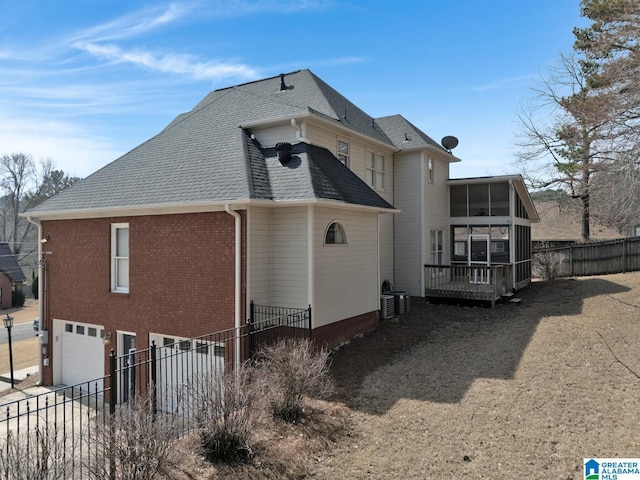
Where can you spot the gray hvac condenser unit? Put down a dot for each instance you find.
(401, 302)
(387, 307)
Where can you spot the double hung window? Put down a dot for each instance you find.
(376, 170)
(120, 257)
(343, 152)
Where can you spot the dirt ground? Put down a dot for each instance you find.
(522, 391)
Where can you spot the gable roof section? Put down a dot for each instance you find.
(518, 184)
(407, 136)
(9, 264)
(202, 156)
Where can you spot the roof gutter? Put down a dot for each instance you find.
(238, 276)
(41, 300)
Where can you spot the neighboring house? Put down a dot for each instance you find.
(279, 191)
(561, 224)
(11, 276)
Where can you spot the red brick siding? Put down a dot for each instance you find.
(336, 333)
(5, 285)
(181, 274)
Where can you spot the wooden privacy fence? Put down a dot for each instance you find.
(582, 259)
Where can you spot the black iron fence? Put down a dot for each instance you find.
(56, 434)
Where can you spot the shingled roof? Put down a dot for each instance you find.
(203, 155)
(9, 264)
(406, 136)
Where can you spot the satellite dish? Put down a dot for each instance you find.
(449, 143)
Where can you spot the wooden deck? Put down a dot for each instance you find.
(482, 283)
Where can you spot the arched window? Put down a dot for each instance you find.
(335, 235)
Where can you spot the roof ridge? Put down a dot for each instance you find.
(257, 81)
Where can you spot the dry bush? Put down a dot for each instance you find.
(137, 442)
(547, 265)
(37, 454)
(222, 412)
(291, 370)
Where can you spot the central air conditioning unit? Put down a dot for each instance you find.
(387, 307)
(400, 302)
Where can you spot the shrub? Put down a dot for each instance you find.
(137, 442)
(221, 406)
(34, 454)
(547, 264)
(291, 370)
(17, 299)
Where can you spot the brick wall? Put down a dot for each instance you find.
(181, 274)
(5, 285)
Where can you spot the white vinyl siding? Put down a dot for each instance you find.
(408, 224)
(269, 136)
(289, 257)
(346, 278)
(436, 207)
(259, 251)
(278, 256)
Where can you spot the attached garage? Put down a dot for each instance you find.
(181, 361)
(81, 352)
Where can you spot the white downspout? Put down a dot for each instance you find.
(238, 277)
(41, 300)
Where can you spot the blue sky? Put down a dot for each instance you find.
(84, 82)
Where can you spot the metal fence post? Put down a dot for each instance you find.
(154, 379)
(310, 323)
(113, 398)
(250, 321)
(113, 389)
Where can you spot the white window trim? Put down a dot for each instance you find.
(374, 171)
(346, 156)
(437, 234)
(430, 170)
(344, 231)
(114, 270)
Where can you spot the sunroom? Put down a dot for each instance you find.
(490, 240)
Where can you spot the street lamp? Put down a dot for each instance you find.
(8, 324)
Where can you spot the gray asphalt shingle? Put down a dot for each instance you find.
(203, 156)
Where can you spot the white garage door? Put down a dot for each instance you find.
(82, 353)
(181, 361)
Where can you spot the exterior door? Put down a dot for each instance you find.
(478, 248)
(127, 367)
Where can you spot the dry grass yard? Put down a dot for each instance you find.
(521, 391)
(467, 392)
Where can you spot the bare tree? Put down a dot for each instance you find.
(568, 135)
(24, 184)
(17, 176)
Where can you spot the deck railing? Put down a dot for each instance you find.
(466, 282)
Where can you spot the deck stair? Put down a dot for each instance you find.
(515, 301)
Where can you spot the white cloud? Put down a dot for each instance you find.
(77, 152)
(502, 82)
(132, 25)
(171, 62)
